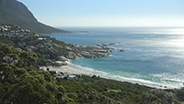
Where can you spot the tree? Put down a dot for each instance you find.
(5, 48)
(29, 58)
(2, 54)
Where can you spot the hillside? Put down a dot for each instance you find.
(22, 83)
(47, 47)
(14, 12)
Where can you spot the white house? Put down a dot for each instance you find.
(40, 38)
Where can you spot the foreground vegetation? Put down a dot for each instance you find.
(105, 91)
(22, 83)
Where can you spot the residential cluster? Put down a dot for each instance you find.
(25, 38)
(60, 75)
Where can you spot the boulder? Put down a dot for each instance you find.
(62, 58)
(121, 50)
(102, 45)
(112, 44)
(101, 51)
(72, 55)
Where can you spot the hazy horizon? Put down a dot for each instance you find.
(109, 13)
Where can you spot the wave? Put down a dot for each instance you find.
(158, 80)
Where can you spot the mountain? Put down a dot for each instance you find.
(15, 12)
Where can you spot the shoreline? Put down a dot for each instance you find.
(66, 69)
(78, 70)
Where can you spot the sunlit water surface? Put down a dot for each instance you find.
(153, 56)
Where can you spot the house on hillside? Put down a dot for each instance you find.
(21, 43)
(4, 28)
(10, 60)
(59, 76)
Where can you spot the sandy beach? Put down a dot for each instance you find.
(66, 69)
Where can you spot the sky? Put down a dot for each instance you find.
(126, 13)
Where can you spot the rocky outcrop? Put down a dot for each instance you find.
(62, 58)
(121, 50)
(94, 52)
(102, 45)
(72, 55)
(76, 51)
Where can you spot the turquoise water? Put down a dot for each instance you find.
(153, 56)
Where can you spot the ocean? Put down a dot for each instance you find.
(154, 56)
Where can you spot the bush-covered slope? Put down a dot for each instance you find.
(21, 83)
(105, 91)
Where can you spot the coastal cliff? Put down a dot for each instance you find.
(14, 12)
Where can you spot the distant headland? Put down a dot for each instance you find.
(16, 13)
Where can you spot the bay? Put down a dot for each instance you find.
(152, 57)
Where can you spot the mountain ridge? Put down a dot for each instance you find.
(15, 12)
